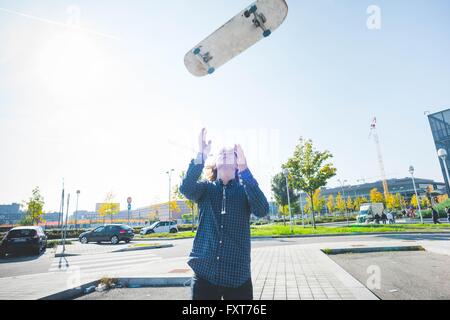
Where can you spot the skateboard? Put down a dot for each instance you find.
(254, 23)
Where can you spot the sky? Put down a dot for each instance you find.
(96, 93)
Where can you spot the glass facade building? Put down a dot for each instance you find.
(440, 128)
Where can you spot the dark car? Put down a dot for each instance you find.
(113, 233)
(24, 240)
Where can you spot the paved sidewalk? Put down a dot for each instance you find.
(302, 273)
(281, 272)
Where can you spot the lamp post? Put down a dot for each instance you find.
(342, 183)
(76, 210)
(301, 208)
(169, 173)
(411, 171)
(286, 175)
(442, 154)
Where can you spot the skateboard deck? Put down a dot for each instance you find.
(256, 22)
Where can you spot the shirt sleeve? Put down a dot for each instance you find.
(191, 188)
(256, 198)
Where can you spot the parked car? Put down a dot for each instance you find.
(24, 240)
(113, 233)
(160, 227)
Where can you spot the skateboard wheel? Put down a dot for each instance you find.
(267, 33)
(211, 70)
(253, 9)
(247, 14)
(197, 51)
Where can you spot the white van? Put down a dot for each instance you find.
(368, 211)
(160, 227)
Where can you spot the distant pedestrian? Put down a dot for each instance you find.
(377, 218)
(384, 217)
(447, 209)
(435, 215)
(390, 217)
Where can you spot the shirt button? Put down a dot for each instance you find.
(218, 258)
(221, 227)
(221, 242)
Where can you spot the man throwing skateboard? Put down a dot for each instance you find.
(220, 255)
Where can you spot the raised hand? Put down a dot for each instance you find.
(204, 148)
(240, 158)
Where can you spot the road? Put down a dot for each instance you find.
(402, 275)
(99, 257)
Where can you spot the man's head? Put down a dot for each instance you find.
(226, 164)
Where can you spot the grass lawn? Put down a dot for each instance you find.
(281, 230)
(187, 234)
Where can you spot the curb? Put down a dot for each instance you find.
(130, 283)
(372, 249)
(317, 235)
(144, 248)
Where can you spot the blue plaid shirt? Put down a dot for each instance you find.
(221, 250)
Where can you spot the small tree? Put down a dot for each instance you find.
(34, 208)
(330, 204)
(391, 202)
(349, 204)
(109, 208)
(309, 169)
(414, 203)
(376, 196)
(425, 203)
(190, 204)
(318, 202)
(340, 203)
(280, 193)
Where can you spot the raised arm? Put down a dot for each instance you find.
(256, 198)
(191, 188)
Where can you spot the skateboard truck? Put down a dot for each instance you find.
(259, 20)
(204, 58)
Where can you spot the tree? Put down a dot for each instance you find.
(349, 204)
(376, 196)
(280, 193)
(391, 202)
(425, 203)
(190, 204)
(309, 169)
(414, 202)
(109, 208)
(318, 201)
(330, 204)
(340, 203)
(358, 202)
(34, 208)
(401, 201)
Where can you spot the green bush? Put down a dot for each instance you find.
(56, 234)
(186, 227)
(53, 243)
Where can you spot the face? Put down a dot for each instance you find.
(226, 165)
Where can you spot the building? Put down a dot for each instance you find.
(10, 214)
(403, 186)
(440, 128)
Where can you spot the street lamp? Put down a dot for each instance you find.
(301, 208)
(76, 210)
(342, 183)
(169, 173)
(286, 175)
(442, 154)
(411, 171)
